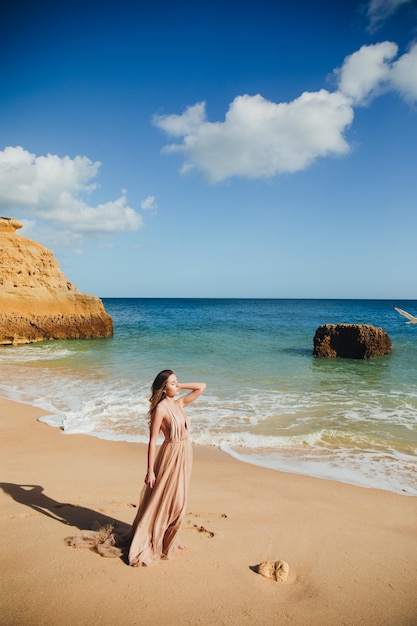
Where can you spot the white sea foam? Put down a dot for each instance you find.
(365, 470)
(31, 353)
(254, 430)
(229, 440)
(339, 454)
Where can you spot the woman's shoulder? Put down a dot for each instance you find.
(161, 410)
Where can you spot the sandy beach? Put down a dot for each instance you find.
(352, 552)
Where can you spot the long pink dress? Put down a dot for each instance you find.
(154, 532)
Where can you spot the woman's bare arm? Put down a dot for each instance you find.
(155, 427)
(196, 389)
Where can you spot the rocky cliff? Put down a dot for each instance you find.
(37, 302)
(351, 341)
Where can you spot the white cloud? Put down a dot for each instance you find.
(185, 124)
(380, 10)
(404, 75)
(52, 237)
(54, 189)
(372, 70)
(149, 204)
(365, 72)
(260, 139)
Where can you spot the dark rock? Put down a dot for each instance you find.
(351, 341)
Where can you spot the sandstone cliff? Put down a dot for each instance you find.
(351, 341)
(37, 302)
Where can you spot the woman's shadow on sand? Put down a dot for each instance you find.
(79, 517)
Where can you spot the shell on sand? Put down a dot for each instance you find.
(277, 570)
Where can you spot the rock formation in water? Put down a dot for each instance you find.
(37, 302)
(351, 341)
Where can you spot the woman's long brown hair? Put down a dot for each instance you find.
(158, 390)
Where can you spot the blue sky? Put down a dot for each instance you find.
(233, 149)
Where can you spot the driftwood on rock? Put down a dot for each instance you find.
(351, 341)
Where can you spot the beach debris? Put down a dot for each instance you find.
(86, 540)
(101, 541)
(277, 570)
(351, 341)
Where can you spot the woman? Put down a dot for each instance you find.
(154, 532)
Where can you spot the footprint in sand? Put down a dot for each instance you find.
(207, 514)
(201, 528)
(131, 505)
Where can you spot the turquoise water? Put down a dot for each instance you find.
(268, 400)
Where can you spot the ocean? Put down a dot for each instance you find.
(268, 400)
